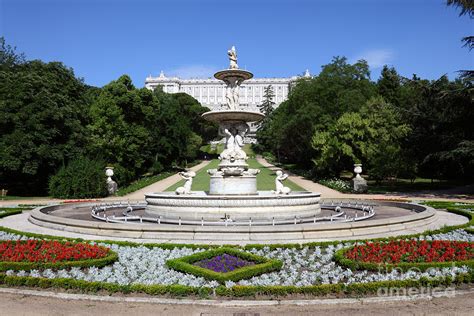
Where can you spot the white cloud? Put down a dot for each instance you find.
(376, 58)
(191, 71)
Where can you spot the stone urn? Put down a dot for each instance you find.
(358, 170)
(112, 186)
(109, 172)
(359, 184)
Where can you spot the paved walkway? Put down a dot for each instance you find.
(32, 302)
(328, 193)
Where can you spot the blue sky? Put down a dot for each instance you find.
(104, 39)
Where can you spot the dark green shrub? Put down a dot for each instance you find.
(81, 178)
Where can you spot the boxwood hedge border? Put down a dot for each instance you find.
(350, 290)
(264, 265)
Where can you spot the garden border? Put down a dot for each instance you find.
(184, 264)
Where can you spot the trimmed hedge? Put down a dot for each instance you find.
(341, 259)
(264, 265)
(355, 289)
(7, 212)
(111, 257)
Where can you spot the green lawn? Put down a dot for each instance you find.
(265, 179)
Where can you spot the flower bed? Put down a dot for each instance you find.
(32, 253)
(223, 263)
(406, 254)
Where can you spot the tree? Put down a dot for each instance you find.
(42, 114)
(8, 55)
(440, 113)
(389, 85)
(467, 7)
(267, 104)
(140, 131)
(370, 136)
(314, 105)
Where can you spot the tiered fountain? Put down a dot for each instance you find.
(233, 194)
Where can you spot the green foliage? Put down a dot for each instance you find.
(137, 130)
(81, 178)
(42, 114)
(337, 184)
(440, 114)
(354, 289)
(263, 265)
(313, 105)
(371, 136)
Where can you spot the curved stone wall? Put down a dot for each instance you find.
(421, 218)
(265, 206)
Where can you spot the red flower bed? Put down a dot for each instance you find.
(48, 251)
(412, 251)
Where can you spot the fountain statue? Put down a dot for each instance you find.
(188, 177)
(279, 187)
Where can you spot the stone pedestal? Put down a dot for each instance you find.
(359, 185)
(233, 185)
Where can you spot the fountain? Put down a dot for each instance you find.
(233, 191)
(233, 210)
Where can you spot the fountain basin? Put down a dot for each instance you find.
(232, 116)
(233, 74)
(264, 205)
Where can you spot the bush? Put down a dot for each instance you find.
(81, 178)
(337, 184)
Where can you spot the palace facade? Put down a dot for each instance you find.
(211, 92)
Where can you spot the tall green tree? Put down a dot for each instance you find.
(42, 114)
(370, 136)
(467, 8)
(314, 105)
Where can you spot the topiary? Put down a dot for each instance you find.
(81, 178)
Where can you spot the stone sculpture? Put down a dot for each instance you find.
(279, 187)
(232, 53)
(188, 177)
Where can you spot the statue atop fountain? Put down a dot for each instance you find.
(232, 53)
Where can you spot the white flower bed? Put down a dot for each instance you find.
(301, 267)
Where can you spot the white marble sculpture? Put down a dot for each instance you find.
(232, 53)
(188, 177)
(279, 187)
(234, 142)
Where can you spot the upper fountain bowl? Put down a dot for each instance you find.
(233, 74)
(232, 116)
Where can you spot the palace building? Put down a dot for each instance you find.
(211, 92)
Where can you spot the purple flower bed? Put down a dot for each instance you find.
(223, 263)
